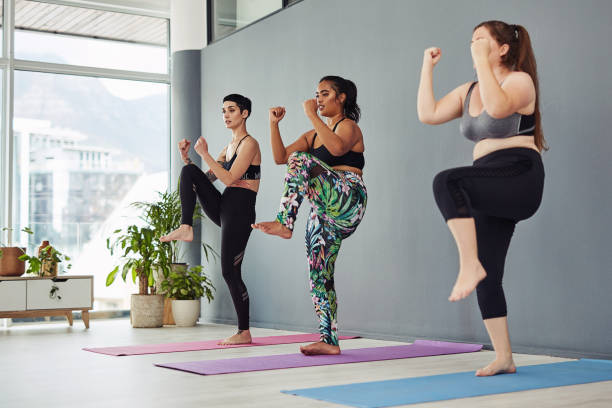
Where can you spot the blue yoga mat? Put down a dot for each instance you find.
(460, 385)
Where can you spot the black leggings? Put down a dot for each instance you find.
(498, 190)
(234, 212)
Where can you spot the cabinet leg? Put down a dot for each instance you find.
(69, 317)
(85, 317)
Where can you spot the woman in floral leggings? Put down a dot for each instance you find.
(325, 165)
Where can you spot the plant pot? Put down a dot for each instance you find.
(186, 312)
(147, 310)
(9, 264)
(159, 277)
(168, 318)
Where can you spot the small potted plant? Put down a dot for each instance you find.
(186, 287)
(140, 258)
(45, 264)
(10, 264)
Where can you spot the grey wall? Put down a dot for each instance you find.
(394, 275)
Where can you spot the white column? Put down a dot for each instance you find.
(187, 25)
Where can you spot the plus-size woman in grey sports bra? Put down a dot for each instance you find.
(482, 203)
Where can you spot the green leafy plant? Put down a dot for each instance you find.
(188, 284)
(164, 216)
(140, 257)
(48, 258)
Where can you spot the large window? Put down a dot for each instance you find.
(84, 148)
(89, 132)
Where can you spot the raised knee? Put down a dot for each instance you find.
(297, 156)
(440, 182)
(187, 169)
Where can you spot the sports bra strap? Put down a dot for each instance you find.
(333, 130)
(247, 135)
(337, 123)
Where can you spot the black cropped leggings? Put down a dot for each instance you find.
(498, 190)
(234, 212)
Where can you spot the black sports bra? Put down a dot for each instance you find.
(350, 158)
(253, 172)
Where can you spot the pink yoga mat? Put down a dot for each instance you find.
(420, 348)
(205, 345)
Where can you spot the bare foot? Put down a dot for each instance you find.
(242, 337)
(497, 367)
(319, 348)
(468, 279)
(273, 228)
(183, 233)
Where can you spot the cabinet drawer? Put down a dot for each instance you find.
(70, 293)
(12, 296)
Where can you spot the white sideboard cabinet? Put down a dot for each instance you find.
(48, 296)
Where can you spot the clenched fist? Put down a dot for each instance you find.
(183, 146)
(201, 146)
(432, 55)
(277, 114)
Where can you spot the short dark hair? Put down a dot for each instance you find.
(243, 102)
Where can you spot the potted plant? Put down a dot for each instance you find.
(140, 257)
(187, 287)
(10, 264)
(164, 216)
(45, 264)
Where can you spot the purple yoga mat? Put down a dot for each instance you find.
(205, 345)
(420, 348)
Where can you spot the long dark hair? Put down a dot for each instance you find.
(347, 87)
(519, 58)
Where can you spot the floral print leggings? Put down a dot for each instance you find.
(338, 200)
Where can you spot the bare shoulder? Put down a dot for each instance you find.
(348, 125)
(462, 90)
(349, 128)
(518, 78)
(252, 141)
(250, 144)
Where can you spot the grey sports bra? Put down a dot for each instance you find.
(484, 126)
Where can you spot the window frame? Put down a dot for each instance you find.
(210, 9)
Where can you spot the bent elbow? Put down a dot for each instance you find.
(228, 180)
(426, 119)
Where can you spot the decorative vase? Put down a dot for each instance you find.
(48, 267)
